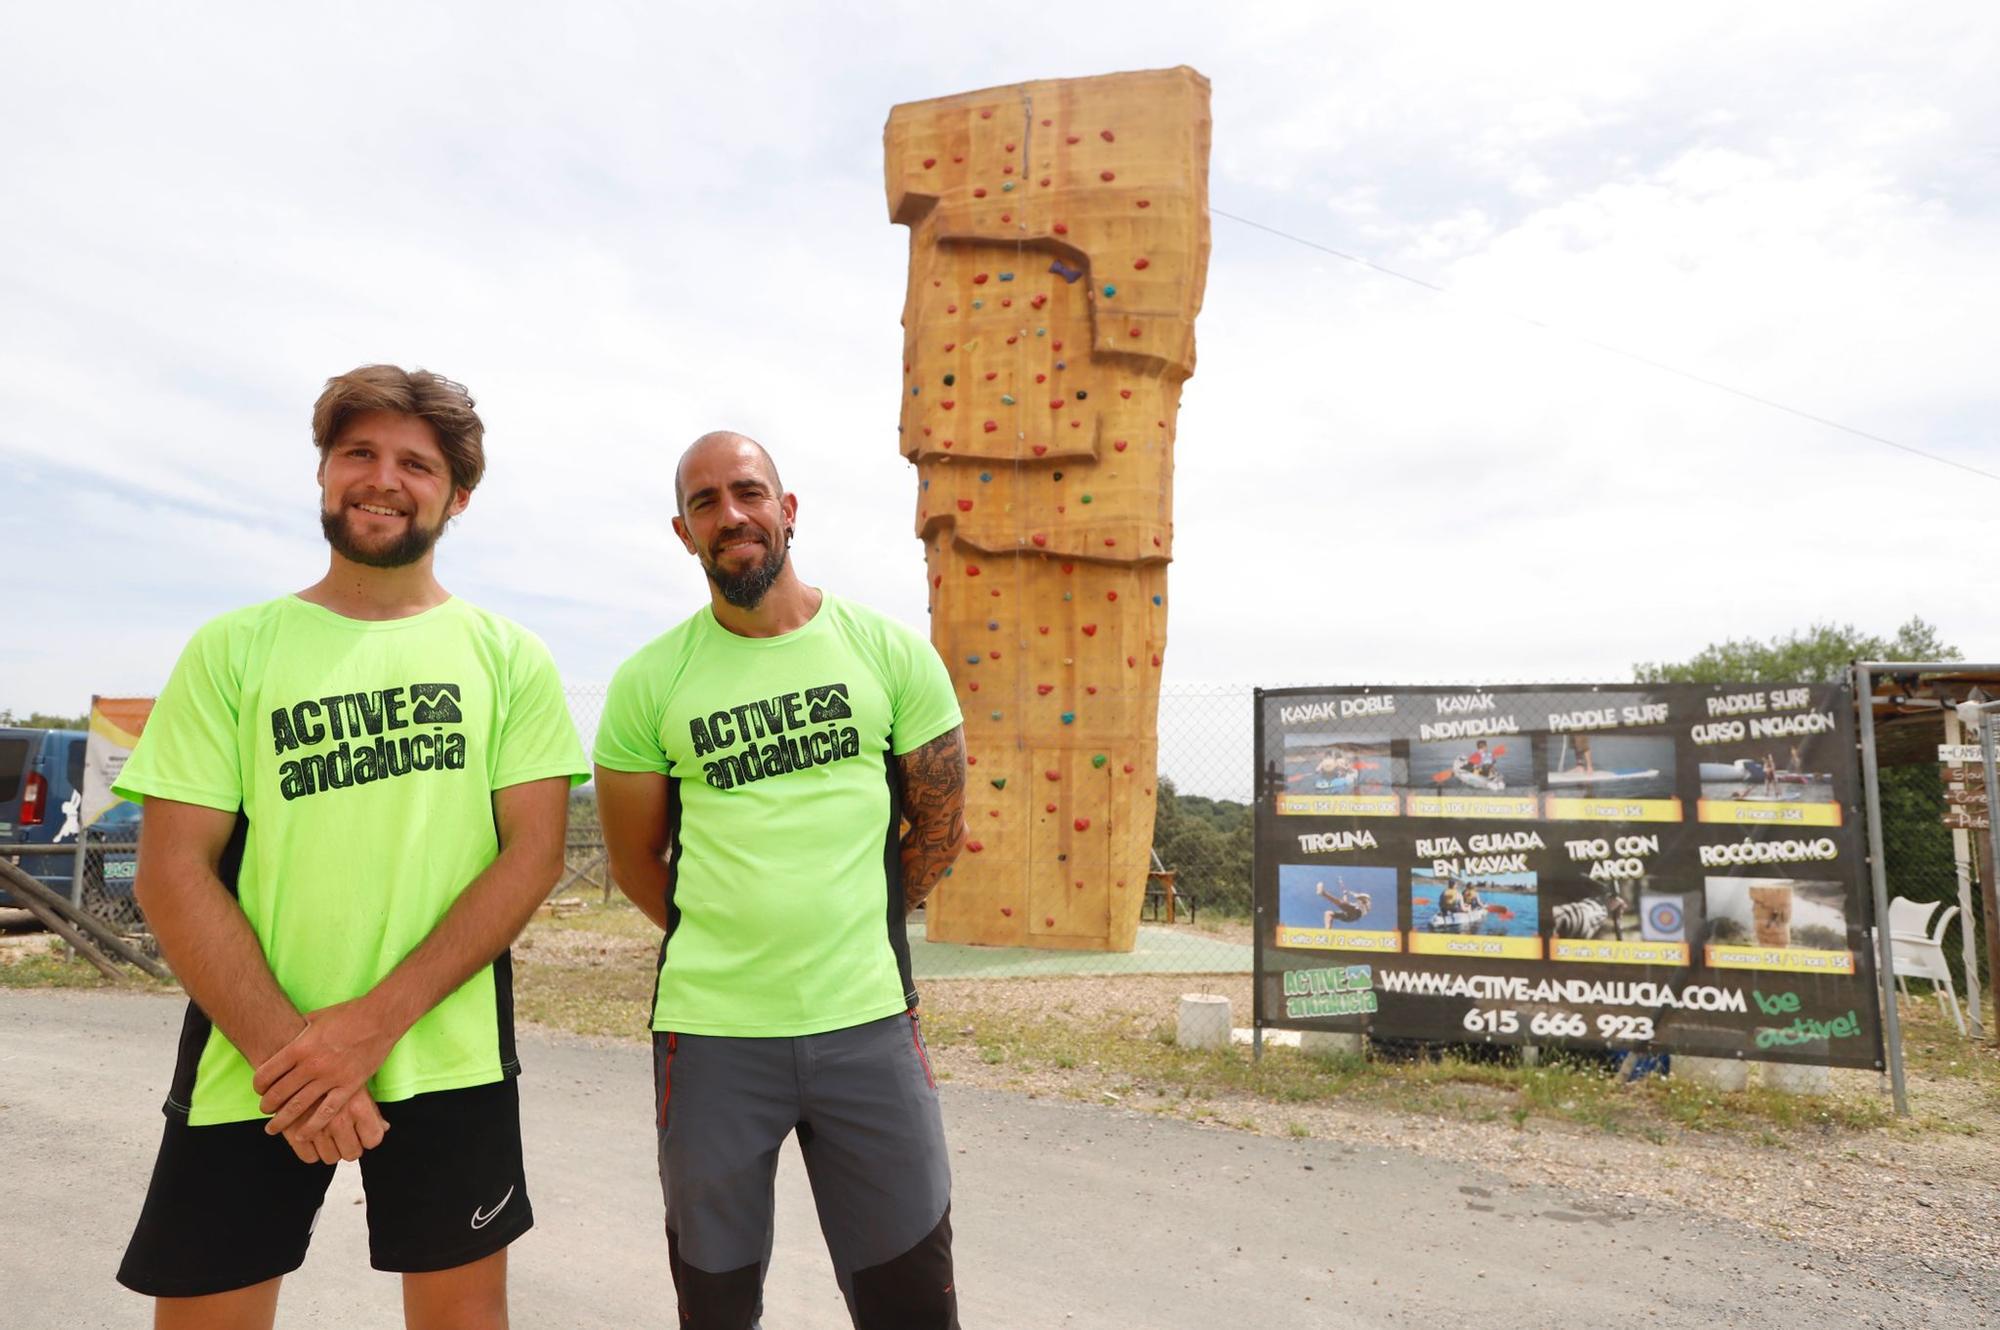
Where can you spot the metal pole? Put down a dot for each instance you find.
(1257, 815)
(1963, 856)
(82, 858)
(1885, 962)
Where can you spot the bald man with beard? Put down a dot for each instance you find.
(754, 766)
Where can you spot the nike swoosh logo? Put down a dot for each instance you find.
(481, 1218)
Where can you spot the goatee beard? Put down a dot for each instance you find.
(745, 590)
(415, 542)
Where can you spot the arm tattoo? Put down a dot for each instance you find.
(933, 778)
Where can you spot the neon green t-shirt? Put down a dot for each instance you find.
(787, 912)
(361, 758)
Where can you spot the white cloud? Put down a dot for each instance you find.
(624, 226)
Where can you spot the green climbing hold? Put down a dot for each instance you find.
(1066, 595)
(1098, 759)
(1086, 498)
(1006, 399)
(999, 782)
(978, 304)
(1006, 186)
(1041, 332)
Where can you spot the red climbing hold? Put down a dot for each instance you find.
(1090, 688)
(1107, 176)
(1125, 393)
(1047, 123)
(979, 193)
(973, 847)
(938, 580)
(1056, 404)
(1128, 768)
(1142, 264)
(1156, 659)
(1082, 824)
(1090, 630)
(947, 405)
(1045, 182)
(1053, 775)
(1049, 921)
(1041, 378)
(985, 113)
(965, 505)
(1109, 541)
(951, 309)
(1111, 595)
(1006, 216)
(1076, 424)
(1044, 689)
(1069, 568)
(1006, 302)
(947, 442)
(1119, 444)
(1008, 169)
(972, 570)
(929, 162)
(979, 279)
(972, 761)
(974, 685)
(1145, 203)
(992, 425)
(1038, 448)
(1130, 661)
(1132, 332)
(1007, 911)
(991, 375)
(951, 346)
(1039, 538)
(1104, 134)
(1072, 138)
(1043, 629)
(1038, 302)
(992, 655)
(1009, 147)
(1060, 228)
(1048, 808)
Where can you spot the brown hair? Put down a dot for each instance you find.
(446, 405)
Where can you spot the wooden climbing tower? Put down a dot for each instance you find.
(1058, 249)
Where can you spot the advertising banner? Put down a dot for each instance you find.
(115, 726)
(1666, 867)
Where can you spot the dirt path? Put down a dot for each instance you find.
(1066, 1215)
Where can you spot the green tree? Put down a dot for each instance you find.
(39, 720)
(1209, 843)
(1820, 654)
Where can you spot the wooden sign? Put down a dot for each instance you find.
(1970, 754)
(1965, 798)
(1965, 819)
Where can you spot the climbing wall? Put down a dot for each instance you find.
(1058, 249)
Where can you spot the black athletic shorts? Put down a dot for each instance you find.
(230, 1206)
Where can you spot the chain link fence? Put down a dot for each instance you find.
(1195, 916)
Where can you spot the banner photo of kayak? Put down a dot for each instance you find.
(1459, 921)
(1462, 771)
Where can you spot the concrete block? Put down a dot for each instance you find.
(1331, 1044)
(1204, 1021)
(1791, 1078)
(1713, 1073)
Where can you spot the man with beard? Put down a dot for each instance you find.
(355, 798)
(753, 767)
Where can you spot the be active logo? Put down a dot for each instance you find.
(374, 735)
(775, 735)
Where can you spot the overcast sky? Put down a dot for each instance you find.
(623, 226)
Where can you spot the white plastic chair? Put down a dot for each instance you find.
(1916, 945)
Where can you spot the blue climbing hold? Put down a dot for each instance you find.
(985, 477)
(1006, 276)
(1156, 600)
(1069, 717)
(1109, 290)
(1064, 271)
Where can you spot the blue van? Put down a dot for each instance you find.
(41, 803)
